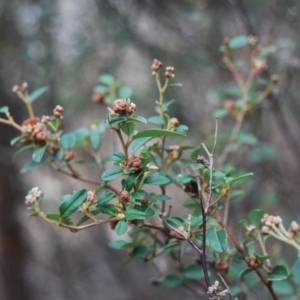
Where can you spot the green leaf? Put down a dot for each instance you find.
(238, 42)
(247, 138)
(101, 89)
(193, 271)
(157, 180)
(128, 127)
(244, 273)
(233, 180)
(125, 92)
(137, 143)
(118, 157)
(108, 209)
(38, 154)
(255, 216)
(105, 197)
(96, 138)
(283, 288)
(30, 165)
(175, 84)
(172, 281)
(220, 113)
(156, 120)
(4, 109)
(37, 93)
(279, 273)
(68, 141)
(217, 240)
(121, 227)
(117, 244)
(116, 120)
(139, 195)
(267, 51)
(162, 198)
(70, 203)
(84, 218)
(24, 149)
(112, 174)
(296, 270)
(134, 214)
(107, 79)
(55, 217)
(138, 252)
(171, 244)
(138, 119)
(196, 221)
(15, 140)
(155, 132)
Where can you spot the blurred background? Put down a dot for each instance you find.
(66, 45)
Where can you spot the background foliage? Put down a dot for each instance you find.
(65, 45)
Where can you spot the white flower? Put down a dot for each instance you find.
(33, 195)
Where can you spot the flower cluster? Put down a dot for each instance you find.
(34, 129)
(58, 111)
(156, 65)
(133, 164)
(122, 107)
(214, 293)
(33, 196)
(270, 221)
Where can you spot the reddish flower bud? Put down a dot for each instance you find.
(121, 106)
(69, 155)
(275, 79)
(156, 65)
(124, 196)
(229, 105)
(98, 98)
(222, 266)
(113, 224)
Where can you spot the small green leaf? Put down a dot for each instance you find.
(138, 252)
(4, 109)
(172, 281)
(117, 244)
(55, 217)
(116, 120)
(157, 180)
(137, 143)
(255, 216)
(121, 227)
(112, 174)
(279, 273)
(138, 119)
(128, 128)
(233, 180)
(171, 244)
(28, 166)
(244, 273)
(96, 138)
(37, 93)
(194, 271)
(101, 89)
(238, 42)
(139, 195)
(118, 157)
(15, 140)
(24, 149)
(108, 209)
(217, 240)
(107, 79)
(155, 132)
(175, 84)
(105, 197)
(220, 113)
(296, 270)
(134, 214)
(266, 51)
(68, 141)
(70, 203)
(125, 92)
(162, 197)
(156, 120)
(38, 154)
(196, 221)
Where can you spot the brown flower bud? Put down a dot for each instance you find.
(252, 263)
(134, 163)
(24, 86)
(58, 111)
(69, 155)
(31, 121)
(252, 40)
(41, 136)
(173, 122)
(124, 196)
(120, 106)
(132, 108)
(45, 119)
(275, 79)
(226, 41)
(221, 266)
(260, 65)
(145, 200)
(229, 105)
(156, 65)
(98, 98)
(113, 224)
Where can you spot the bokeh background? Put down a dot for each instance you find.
(66, 45)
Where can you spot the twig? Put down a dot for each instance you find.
(225, 284)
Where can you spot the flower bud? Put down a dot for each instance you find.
(58, 111)
(229, 105)
(69, 155)
(45, 119)
(156, 65)
(120, 106)
(41, 137)
(113, 224)
(275, 79)
(133, 164)
(124, 196)
(226, 41)
(98, 98)
(222, 266)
